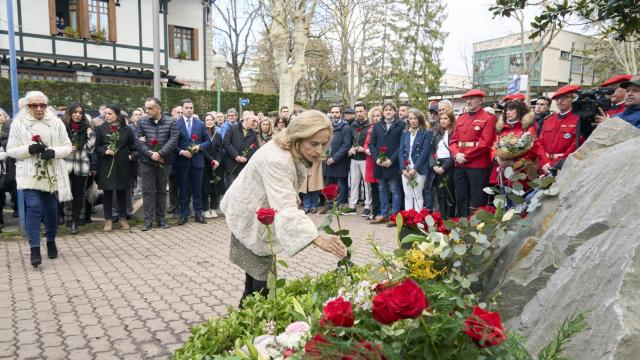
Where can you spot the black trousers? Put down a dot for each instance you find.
(251, 286)
(469, 184)
(375, 199)
(210, 201)
(444, 189)
(78, 187)
(107, 202)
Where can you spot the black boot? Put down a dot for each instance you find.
(36, 258)
(52, 250)
(74, 228)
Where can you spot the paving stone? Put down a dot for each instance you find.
(117, 333)
(29, 351)
(151, 349)
(55, 353)
(75, 342)
(7, 350)
(79, 354)
(99, 345)
(124, 347)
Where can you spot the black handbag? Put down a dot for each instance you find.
(4, 177)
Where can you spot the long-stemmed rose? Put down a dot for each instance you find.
(330, 193)
(383, 153)
(406, 164)
(42, 166)
(112, 144)
(266, 216)
(244, 154)
(484, 327)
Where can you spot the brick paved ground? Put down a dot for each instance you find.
(132, 295)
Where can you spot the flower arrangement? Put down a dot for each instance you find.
(511, 145)
(42, 166)
(112, 144)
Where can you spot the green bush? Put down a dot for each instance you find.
(129, 97)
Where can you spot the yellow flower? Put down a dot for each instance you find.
(419, 264)
(480, 226)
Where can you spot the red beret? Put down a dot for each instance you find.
(516, 96)
(567, 89)
(616, 79)
(474, 92)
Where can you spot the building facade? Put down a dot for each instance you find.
(109, 41)
(564, 61)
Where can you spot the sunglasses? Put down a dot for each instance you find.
(37, 106)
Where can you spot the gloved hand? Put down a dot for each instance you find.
(48, 154)
(36, 148)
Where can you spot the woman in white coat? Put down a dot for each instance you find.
(272, 179)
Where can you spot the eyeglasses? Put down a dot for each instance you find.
(37, 106)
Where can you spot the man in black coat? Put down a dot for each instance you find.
(157, 139)
(359, 128)
(336, 168)
(386, 136)
(240, 143)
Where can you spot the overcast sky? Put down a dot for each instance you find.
(471, 21)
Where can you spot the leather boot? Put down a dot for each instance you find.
(52, 249)
(108, 226)
(36, 258)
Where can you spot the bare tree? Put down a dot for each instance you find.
(238, 25)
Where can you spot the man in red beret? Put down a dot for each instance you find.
(617, 98)
(470, 146)
(516, 96)
(561, 135)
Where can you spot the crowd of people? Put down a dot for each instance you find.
(385, 158)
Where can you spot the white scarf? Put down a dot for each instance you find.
(20, 135)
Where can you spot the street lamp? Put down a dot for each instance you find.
(219, 62)
(404, 98)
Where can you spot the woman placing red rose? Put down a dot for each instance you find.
(272, 180)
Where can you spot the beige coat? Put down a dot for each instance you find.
(314, 180)
(271, 179)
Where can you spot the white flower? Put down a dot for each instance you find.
(297, 327)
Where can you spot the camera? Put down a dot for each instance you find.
(588, 102)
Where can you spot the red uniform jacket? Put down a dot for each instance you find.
(615, 109)
(558, 136)
(473, 136)
(535, 153)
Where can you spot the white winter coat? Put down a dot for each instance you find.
(271, 179)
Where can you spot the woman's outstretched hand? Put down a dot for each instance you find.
(331, 244)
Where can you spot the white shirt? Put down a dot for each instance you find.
(412, 138)
(442, 151)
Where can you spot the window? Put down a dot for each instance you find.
(565, 55)
(88, 18)
(183, 43)
(33, 74)
(103, 79)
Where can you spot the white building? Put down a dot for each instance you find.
(109, 41)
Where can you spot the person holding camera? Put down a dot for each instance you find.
(560, 135)
(617, 98)
(631, 112)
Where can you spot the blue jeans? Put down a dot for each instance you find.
(343, 184)
(428, 197)
(310, 200)
(39, 205)
(396, 196)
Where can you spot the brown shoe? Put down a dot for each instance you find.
(108, 226)
(379, 220)
(323, 210)
(124, 225)
(313, 210)
(390, 224)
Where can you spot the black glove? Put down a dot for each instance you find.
(36, 148)
(48, 154)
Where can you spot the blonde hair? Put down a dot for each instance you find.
(271, 131)
(303, 126)
(377, 108)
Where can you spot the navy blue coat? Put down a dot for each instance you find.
(184, 141)
(420, 152)
(340, 145)
(391, 139)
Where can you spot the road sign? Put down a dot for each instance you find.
(244, 102)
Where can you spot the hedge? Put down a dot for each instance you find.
(129, 97)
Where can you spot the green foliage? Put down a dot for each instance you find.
(621, 17)
(130, 97)
(571, 326)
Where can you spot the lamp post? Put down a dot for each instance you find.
(219, 62)
(404, 98)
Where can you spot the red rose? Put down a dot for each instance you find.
(75, 126)
(253, 146)
(213, 163)
(312, 347)
(194, 137)
(406, 163)
(338, 312)
(383, 148)
(359, 130)
(154, 142)
(485, 328)
(455, 219)
(330, 192)
(287, 353)
(404, 301)
(114, 128)
(487, 208)
(36, 138)
(364, 350)
(266, 215)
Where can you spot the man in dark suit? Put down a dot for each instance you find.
(240, 143)
(336, 168)
(386, 135)
(193, 139)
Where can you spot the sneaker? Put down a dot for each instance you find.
(347, 210)
(214, 214)
(366, 213)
